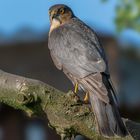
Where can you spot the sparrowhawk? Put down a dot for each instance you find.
(75, 49)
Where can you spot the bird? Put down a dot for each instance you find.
(76, 50)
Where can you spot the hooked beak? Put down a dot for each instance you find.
(56, 17)
(55, 22)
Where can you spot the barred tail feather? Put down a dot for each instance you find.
(107, 117)
(106, 112)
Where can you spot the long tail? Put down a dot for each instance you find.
(103, 102)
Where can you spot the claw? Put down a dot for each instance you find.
(76, 88)
(86, 98)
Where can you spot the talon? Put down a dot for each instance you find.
(86, 98)
(76, 88)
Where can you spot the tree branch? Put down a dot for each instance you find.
(66, 114)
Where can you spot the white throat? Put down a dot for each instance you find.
(54, 24)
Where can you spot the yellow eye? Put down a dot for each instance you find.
(62, 11)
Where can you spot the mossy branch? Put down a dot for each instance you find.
(66, 114)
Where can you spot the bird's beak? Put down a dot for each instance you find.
(55, 21)
(54, 24)
(56, 17)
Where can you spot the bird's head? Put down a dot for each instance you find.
(59, 14)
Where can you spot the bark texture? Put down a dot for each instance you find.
(65, 113)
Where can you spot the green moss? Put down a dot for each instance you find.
(66, 114)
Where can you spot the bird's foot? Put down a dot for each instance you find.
(76, 88)
(73, 96)
(86, 98)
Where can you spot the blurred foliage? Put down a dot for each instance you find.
(127, 14)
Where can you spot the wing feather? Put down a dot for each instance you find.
(76, 48)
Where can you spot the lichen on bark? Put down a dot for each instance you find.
(64, 111)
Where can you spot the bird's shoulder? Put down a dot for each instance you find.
(76, 31)
(76, 39)
(81, 28)
(88, 35)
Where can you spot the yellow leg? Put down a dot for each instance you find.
(86, 98)
(76, 88)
